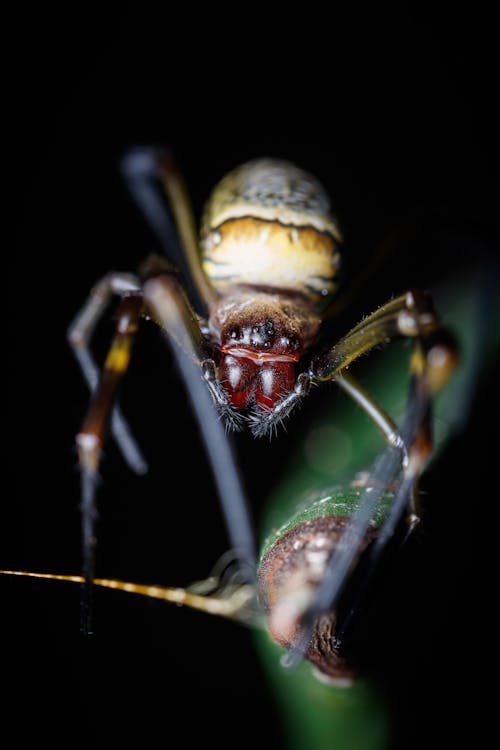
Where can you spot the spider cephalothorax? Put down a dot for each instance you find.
(262, 337)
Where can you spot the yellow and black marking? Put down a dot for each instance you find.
(268, 223)
(267, 253)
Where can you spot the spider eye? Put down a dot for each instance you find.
(267, 329)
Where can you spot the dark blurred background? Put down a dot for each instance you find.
(395, 113)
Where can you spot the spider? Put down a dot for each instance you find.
(265, 270)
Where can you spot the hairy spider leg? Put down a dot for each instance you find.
(433, 360)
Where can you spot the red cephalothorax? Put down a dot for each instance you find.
(262, 337)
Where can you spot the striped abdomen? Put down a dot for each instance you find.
(268, 224)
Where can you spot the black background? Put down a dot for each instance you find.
(395, 114)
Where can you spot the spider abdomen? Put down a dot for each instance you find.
(268, 224)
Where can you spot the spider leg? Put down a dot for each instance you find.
(79, 335)
(432, 361)
(387, 427)
(145, 169)
(91, 437)
(410, 315)
(165, 298)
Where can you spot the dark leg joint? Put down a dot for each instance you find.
(418, 317)
(441, 354)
